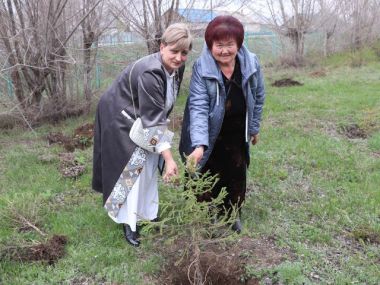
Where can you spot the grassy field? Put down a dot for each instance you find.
(313, 190)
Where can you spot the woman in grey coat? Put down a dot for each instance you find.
(223, 110)
(124, 172)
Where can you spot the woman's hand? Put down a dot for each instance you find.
(171, 168)
(194, 158)
(255, 139)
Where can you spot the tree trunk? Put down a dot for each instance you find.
(153, 45)
(88, 39)
(87, 78)
(17, 87)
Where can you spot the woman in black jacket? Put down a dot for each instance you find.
(123, 171)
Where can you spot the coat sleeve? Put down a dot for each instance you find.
(199, 109)
(151, 96)
(259, 99)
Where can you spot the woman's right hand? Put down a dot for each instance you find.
(195, 157)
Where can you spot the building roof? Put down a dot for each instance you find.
(197, 15)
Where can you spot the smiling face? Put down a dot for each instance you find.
(224, 51)
(172, 56)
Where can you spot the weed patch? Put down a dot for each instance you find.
(9, 121)
(366, 234)
(374, 143)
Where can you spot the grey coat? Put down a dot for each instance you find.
(205, 107)
(112, 146)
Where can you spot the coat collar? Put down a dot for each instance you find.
(210, 68)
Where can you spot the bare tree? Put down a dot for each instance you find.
(92, 26)
(292, 19)
(327, 21)
(296, 19)
(34, 35)
(145, 18)
(360, 17)
(149, 18)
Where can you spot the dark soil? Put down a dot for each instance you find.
(82, 138)
(223, 264)
(286, 82)
(353, 131)
(49, 251)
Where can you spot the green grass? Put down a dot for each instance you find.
(310, 186)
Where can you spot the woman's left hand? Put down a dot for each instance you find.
(255, 139)
(171, 168)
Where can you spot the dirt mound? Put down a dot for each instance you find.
(286, 82)
(50, 251)
(69, 166)
(83, 135)
(82, 138)
(353, 131)
(318, 73)
(220, 264)
(60, 138)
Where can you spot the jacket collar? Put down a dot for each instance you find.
(210, 68)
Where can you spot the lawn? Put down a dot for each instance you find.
(312, 214)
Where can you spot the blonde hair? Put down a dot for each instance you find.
(178, 34)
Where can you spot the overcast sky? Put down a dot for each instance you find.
(206, 4)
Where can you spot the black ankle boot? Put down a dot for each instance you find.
(155, 220)
(236, 226)
(130, 235)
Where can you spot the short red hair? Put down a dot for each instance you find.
(224, 28)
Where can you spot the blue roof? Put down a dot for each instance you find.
(197, 15)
